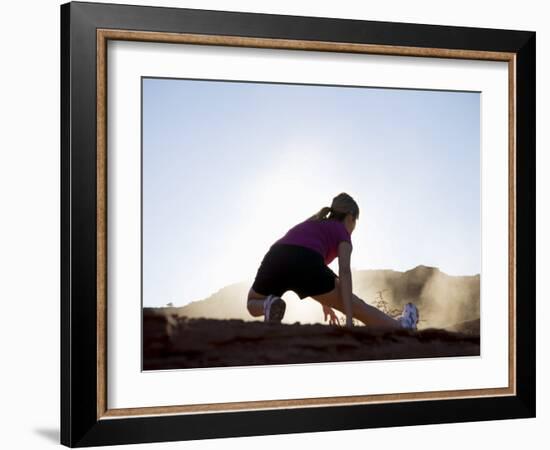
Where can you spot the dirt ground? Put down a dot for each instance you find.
(170, 342)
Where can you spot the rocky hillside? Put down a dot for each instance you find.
(444, 301)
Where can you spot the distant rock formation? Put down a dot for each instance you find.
(444, 301)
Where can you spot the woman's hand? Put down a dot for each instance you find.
(329, 312)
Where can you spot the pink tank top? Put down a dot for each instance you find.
(323, 236)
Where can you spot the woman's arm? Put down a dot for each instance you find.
(344, 257)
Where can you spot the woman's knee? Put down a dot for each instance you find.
(255, 307)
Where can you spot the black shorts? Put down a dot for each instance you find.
(287, 267)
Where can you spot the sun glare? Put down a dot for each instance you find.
(298, 184)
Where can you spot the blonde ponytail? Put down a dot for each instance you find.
(321, 214)
(342, 205)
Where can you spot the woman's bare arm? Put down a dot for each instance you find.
(344, 257)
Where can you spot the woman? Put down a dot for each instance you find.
(299, 262)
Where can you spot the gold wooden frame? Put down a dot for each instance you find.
(103, 35)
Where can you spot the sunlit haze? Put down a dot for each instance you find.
(229, 167)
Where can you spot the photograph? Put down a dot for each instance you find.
(292, 223)
(280, 224)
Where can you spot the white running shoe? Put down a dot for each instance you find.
(274, 309)
(409, 317)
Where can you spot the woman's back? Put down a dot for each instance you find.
(322, 236)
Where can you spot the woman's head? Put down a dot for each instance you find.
(343, 208)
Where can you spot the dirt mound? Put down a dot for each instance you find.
(172, 342)
(467, 327)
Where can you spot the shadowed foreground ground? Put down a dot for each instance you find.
(170, 342)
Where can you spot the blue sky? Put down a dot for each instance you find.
(228, 167)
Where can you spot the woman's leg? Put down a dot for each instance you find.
(367, 314)
(255, 303)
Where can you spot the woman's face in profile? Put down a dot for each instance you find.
(350, 223)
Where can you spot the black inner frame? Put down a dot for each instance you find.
(79, 424)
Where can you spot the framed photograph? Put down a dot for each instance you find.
(286, 224)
